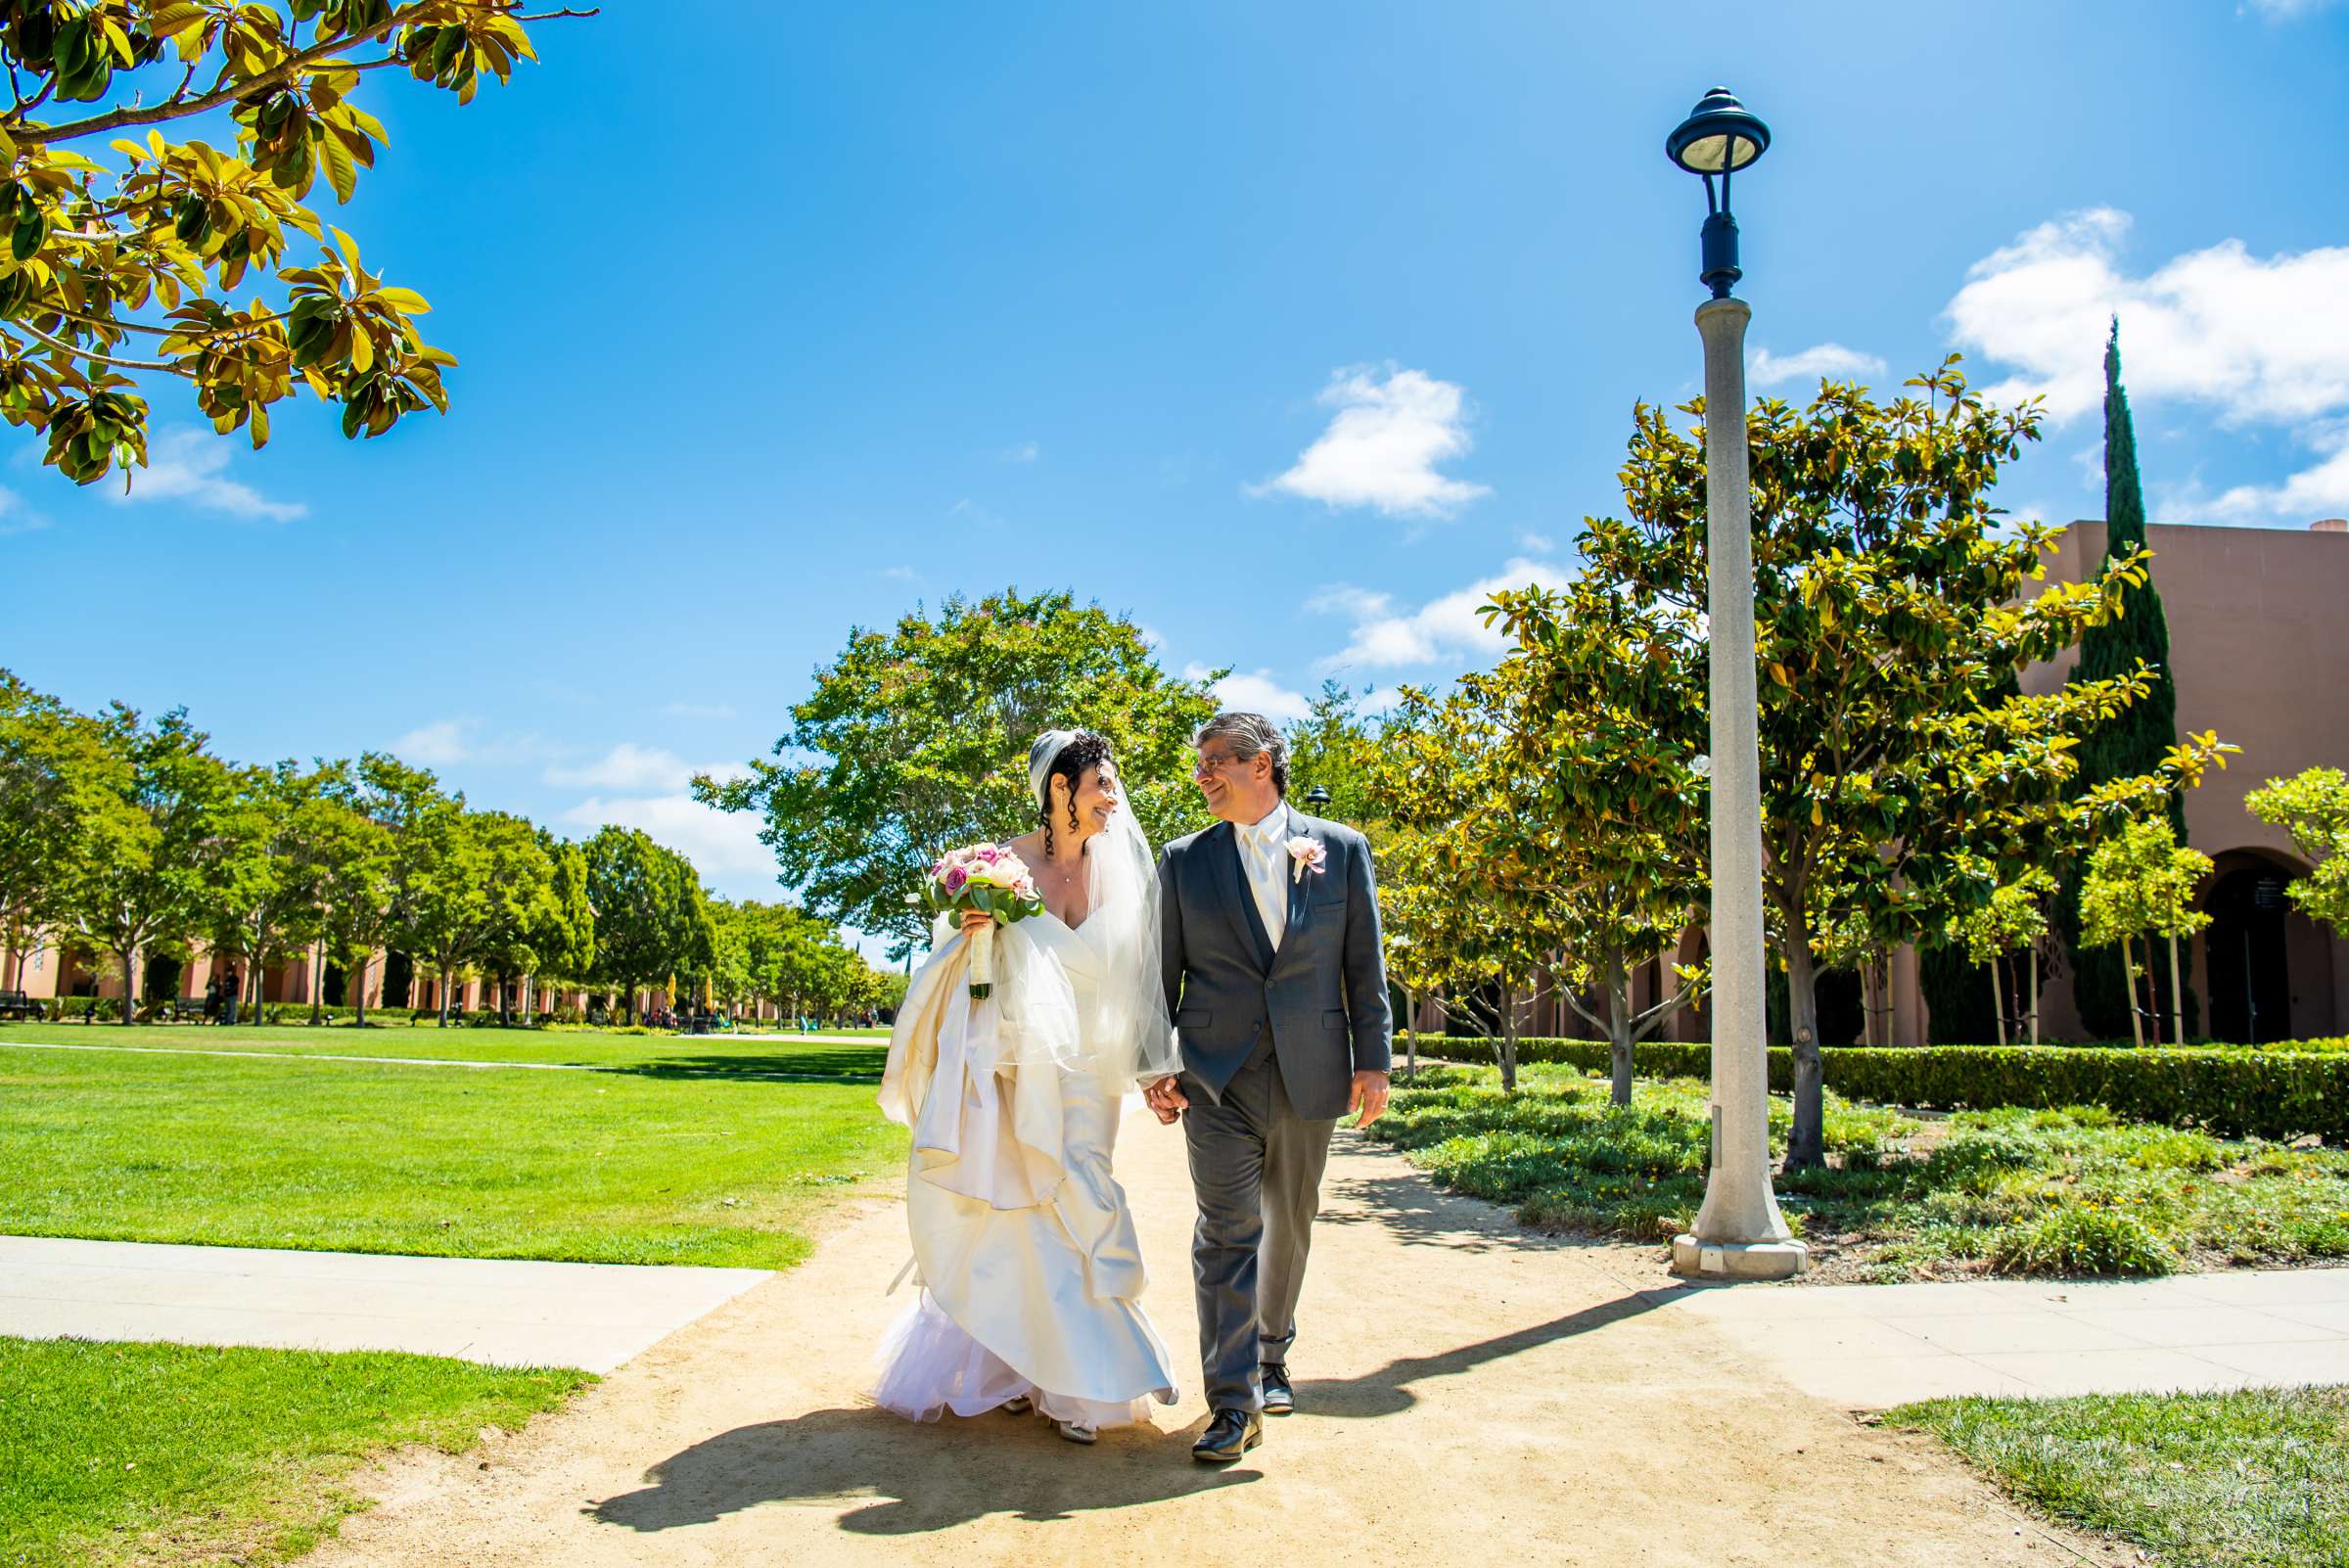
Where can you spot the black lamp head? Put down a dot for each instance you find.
(1720, 136)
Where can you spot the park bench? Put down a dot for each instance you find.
(183, 1009)
(17, 1004)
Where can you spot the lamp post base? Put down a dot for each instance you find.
(1692, 1258)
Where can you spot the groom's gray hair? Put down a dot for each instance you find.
(1249, 734)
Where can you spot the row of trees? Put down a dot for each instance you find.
(129, 839)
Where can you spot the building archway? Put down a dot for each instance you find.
(2267, 968)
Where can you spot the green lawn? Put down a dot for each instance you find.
(2258, 1479)
(581, 1047)
(668, 1154)
(126, 1454)
(2074, 1191)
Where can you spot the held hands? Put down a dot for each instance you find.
(973, 919)
(1165, 1100)
(1369, 1096)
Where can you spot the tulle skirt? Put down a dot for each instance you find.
(927, 1365)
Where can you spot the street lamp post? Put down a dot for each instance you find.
(1739, 1233)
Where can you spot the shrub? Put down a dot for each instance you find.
(2080, 1241)
(2232, 1093)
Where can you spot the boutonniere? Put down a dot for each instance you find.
(1307, 854)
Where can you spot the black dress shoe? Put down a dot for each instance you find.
(1229, 1434)
(1279, 1398)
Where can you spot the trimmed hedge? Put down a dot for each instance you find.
(2233, 1092)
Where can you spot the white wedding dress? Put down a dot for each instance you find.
(1031, 1273)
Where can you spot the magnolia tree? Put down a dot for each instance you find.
(2013, 920)
(1604, 735)
(1888, 595)
(916, 742)
(125, 248)
(1465, 878)
(2313, 809)
(2142, 883)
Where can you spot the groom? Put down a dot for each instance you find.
(1279, 994)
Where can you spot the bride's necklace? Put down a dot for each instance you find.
(1061, 887)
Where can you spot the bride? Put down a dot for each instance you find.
(1030, 1272)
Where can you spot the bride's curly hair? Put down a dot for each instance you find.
(1077, 758)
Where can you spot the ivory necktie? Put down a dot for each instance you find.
(1263, 880)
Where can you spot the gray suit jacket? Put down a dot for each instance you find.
(1323, 997)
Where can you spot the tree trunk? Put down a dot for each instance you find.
(1505, 1048)
(2030, 955)
(359, 999)
(1410, 1032)
(318, 984)
(2136, 1020)
(2176, 1001)
(1998, 1003)
(1807, 1138)
(130, 982)
(444, 995)
(1619, 1032)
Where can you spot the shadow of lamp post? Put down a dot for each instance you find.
(1739, 1233)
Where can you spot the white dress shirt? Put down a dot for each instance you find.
(1265, 856)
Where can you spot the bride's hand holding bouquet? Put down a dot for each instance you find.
(982, 886)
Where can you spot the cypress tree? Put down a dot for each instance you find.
(2135, 740)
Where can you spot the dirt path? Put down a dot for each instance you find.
(1473, 1396)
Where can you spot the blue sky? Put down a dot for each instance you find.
(1288, 329)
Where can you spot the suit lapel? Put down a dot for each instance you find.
(1229, 880)
(1298, 901)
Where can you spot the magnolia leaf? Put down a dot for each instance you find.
(339, 171)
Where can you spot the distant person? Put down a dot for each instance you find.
(231, 989)
(212, 999)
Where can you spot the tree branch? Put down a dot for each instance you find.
(226, 92)
(93, 356)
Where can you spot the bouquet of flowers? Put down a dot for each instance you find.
(990, 879)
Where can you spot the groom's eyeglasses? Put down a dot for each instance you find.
(1209, 763)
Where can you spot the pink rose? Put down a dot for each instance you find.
(954, 880)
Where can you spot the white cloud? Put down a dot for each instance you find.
(723, 846)
(1445, 629)
(1825, 360)
(900, 574)
(1383, 444)
(631, 766)
(1256, 693)
(705, 711)
(2300, 500)
(434, 745)
(2287, 10)
(188, 465)
(2255, 339)
(14, 519)
(461, 740)
(1023, 453)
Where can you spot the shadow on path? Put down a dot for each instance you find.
(1393, 1388)
(932, 1476)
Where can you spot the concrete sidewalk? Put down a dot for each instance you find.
(1866, 1347)
(514, 1313)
